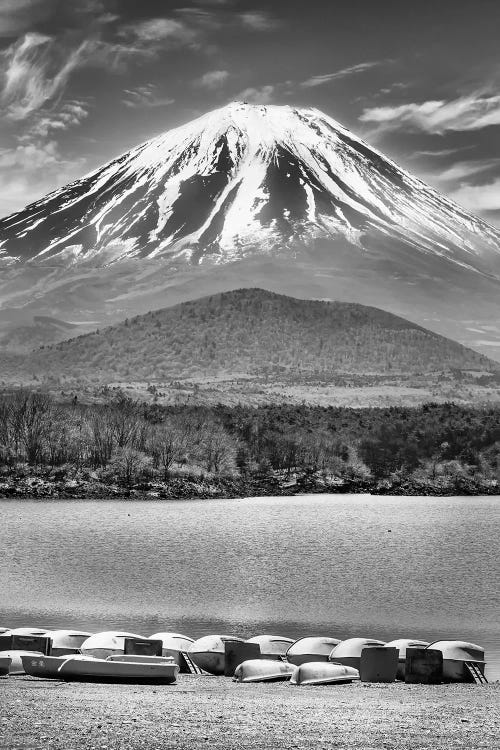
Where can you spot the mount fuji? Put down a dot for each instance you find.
(252, 195)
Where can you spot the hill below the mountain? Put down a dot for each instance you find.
(252, 332)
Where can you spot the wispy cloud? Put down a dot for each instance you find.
(37, 69)
(31, 170)
(465, 169)
(212, 79)
(165, 30)
(145, 96)
(321, 80)
(440, 152)
(259, 20)
(70, 115)
(472, 112)
(479, 198)
(259, 95)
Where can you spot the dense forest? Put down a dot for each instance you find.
(249, 331)
(121, 447)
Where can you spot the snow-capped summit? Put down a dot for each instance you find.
(247, 180)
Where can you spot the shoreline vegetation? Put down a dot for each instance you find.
(121, 448)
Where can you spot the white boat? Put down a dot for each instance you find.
(272, 646)
(208, 653)
(263, 670)
(323, 673)
(67, 641)
(106, 643)
(348, 652)
(455, 655)
(402, 644)
(4, 630)
(5, 662)
(173, 644)
(15, 656)
(81, 669)
(317, 648)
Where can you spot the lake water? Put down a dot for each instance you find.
(335, 565)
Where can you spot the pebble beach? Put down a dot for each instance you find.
(202, 711)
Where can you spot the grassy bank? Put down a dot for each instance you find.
(217, 713)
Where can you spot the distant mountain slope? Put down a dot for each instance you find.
(42, 330)
(251, 196)
(251, 331)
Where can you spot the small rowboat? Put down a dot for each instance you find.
(174, 644)
(311, 649)
(146, 671)
(47, 667)
(208, 653)
(67, 641)
(348, 652)
(106, 643)
(272, 646)
(456, 654)
(263, 670)
(323, 673)
(402, 644)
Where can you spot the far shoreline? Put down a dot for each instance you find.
(229, 488)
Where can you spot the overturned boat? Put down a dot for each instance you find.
(402, 644)
(174, 644)
(209, 654)
(308, 649)
(272, 646)
(348, 652)
(107, 643)
(462, 661)
(28, 631)
(263, 670)
(323, 673)
(67, 641)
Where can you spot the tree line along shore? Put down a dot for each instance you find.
(119, 447)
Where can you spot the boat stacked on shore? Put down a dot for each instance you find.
(120, 656)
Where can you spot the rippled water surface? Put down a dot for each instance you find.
(338, 565)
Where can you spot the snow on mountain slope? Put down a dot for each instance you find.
(241, 181)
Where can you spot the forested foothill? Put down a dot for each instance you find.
(122, 448)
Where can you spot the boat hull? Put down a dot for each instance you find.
(454, 670)
(112, 671)
(212, 662)
(45, 667)
(323, 673)
(209, 653)
(16, 665)
(263, 670)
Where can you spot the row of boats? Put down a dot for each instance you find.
(118, 656)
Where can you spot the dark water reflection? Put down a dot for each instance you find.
(338, 565)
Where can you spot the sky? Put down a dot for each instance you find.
(82, 81)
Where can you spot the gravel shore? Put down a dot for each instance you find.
(217, 713)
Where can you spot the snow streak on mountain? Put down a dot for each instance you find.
(244, 180)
